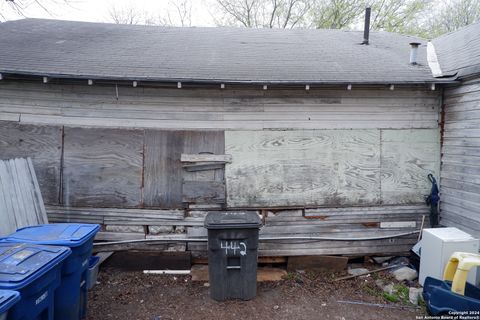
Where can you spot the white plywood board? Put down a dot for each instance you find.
(408, 156)
(310, 167)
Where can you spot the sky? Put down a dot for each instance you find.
(98, 10)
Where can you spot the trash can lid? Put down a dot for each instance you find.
(59, 234)
(233, 220)
(7, 299)
(23, 263)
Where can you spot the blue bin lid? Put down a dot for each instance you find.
(7, 299)
(23, 263)
(59, 234)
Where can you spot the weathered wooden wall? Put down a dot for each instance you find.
(113, 159)
(460, 173)
(229, 109)
(330, 167)
(383, 145)
(41, 143)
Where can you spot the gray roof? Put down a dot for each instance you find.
(458, 52)
(107, 51)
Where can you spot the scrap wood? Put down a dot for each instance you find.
(316, 263)
(421, 228)
(369, 272)
(200, 273)
(376, 304)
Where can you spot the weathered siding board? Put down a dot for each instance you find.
(460, 173)
(103, 167)
(232, 109)
(348, 222)
(163, 169)
(408, 156)
(43, 144)
(316, 168)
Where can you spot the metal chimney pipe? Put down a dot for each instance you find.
(413, 52)
(366, 29)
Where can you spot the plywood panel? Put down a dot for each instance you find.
(408, 156)
(43, 144)
(163, 169)
(164, 174)
(286, 168)
(103, 167)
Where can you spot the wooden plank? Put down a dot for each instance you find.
(408, 156)
(226, 158)
(398, 224)
(314, 168)
(202, 167)
(102, 167)
(203, 192)
(118, 236)
(122, 217)
(8, 221)
(163, 170)
(20, 198)
(118, 213)
(36, 194)
(7, 116)
(199, 273)
(158, 247)
(317, 263)
(19, 168)
(43, 144)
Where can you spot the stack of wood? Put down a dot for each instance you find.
(21, 202)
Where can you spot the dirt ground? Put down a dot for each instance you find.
(133, 295)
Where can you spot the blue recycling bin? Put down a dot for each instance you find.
(35, 272)
(71, 296)
(8, 298)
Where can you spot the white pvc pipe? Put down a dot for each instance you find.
(177, 272)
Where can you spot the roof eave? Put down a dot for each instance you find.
(10, 73)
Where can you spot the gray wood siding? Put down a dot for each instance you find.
(330, 167)
(41, 143)
(460, 174)
(229, 109)
(103, 167)
(166, 181)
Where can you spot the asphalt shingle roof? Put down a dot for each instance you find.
(109, 51)
(458, 52)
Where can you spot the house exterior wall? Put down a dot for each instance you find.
(460, 167)
(352, 160)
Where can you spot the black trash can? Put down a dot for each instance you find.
(232, 254)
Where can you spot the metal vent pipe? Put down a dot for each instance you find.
(414, 52)
(366, 29)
